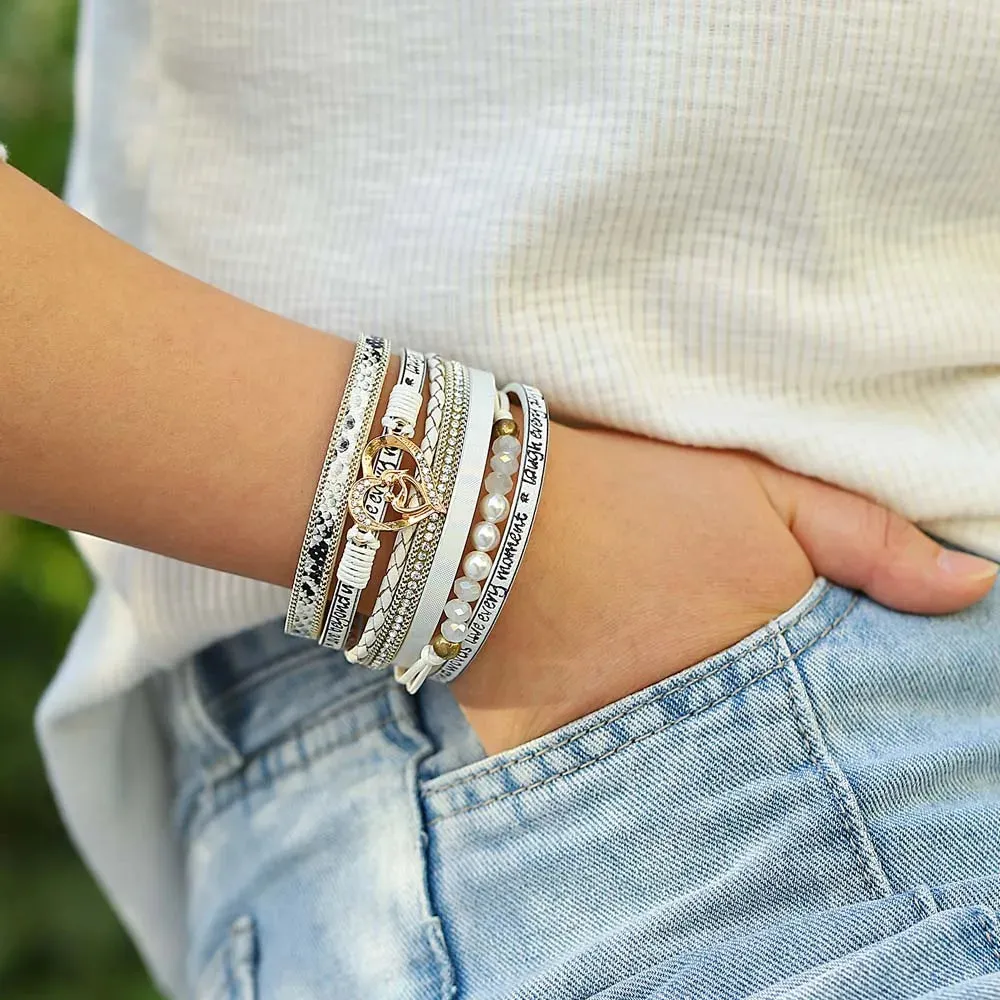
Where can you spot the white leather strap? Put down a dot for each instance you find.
(420, 557)
(383, 614)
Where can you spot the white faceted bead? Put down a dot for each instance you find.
(485, 536)
(467, 590)
(494, 507)
(458, 611)
(505, 464)
(453, 631)
(497, 482)
(507, 445)
(477, 565)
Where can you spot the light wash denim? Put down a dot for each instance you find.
(814, 813)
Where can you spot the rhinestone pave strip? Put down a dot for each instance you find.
(421, 555)
(314, 572)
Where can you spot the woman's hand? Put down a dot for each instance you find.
(647, 557)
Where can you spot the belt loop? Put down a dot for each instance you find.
(217, 756)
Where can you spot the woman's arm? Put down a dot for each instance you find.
(141, 405)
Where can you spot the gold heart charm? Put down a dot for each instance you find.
(412, 497)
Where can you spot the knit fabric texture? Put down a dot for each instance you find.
(763, 226)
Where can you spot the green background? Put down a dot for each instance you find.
(58, 938)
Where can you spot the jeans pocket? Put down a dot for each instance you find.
(231, 973)
(678, 816)
(871, 952)
(639, 716)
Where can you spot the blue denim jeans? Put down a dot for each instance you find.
(813, 813)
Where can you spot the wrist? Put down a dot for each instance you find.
(538, 617)
(646, 558)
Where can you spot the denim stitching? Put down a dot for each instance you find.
(876, 880)
(924, 902)
(653, 700)
(608, 753)
(300, 746)
(244, 933)
(227, 966)
(404, 718)
(985, 921)
(211, 800)
(286, 666)
(217, 757)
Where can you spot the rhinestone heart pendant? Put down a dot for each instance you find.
(412, 497)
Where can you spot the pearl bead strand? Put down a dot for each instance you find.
(485, 536)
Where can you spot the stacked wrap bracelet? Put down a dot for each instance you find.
(417, 626)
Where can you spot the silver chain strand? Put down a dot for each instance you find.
(340, 468)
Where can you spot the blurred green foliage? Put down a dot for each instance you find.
(58, 937)
(36, 73)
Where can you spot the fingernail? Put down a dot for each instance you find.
(962, 564)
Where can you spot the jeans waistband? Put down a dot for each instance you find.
(657, 708)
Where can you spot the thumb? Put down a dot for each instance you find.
(860, 544)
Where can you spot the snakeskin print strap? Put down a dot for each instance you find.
(340, 469)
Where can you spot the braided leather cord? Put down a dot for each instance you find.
(411, 571)
(340, 469)
(375, 626)
(469, 457)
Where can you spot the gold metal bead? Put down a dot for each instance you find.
(445, 649)
(505, 427)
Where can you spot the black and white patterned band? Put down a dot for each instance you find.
(314, 571)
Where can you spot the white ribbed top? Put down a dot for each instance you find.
(773, 226)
